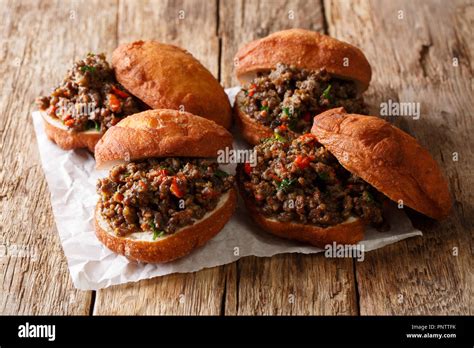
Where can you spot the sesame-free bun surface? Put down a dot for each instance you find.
(140, 246)
(387, 158)
(168, 77)
(69, 140)
(161, 133)
(303, 49)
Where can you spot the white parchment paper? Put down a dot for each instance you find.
(71, 177)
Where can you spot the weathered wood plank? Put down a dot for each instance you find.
(291, 284)
(198, 293)
(192, 25)
(411, 46)
(284, 284)
(38, 42)
(243, 21)
(412, 60)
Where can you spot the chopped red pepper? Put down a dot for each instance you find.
(275, 177)
(310, 136)
(307, 116)
(119, 92)
(69, 123)
(282, 128)
(303, 162)
(247, 168)
(118, 197)
(114, 102)
(142, 185)
(163, 172)
(175, 190)
(252, 89)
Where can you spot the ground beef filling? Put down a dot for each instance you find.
(160, 195)
(302, 182)
(287, 98)
(89, 97)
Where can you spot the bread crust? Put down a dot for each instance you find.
(252, 131)
(168, 77)
(345, 233)
(67, 140)
(174, 246)
(303, 49)
(387, 158)
(161, 133)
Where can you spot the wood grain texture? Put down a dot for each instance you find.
(411, 46)
(241, 21)
(199, 293)
(38, 41)
(284, 284)
(291, 284)
(192, 25)
(412, 60)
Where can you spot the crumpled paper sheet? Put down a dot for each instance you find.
(71, 177)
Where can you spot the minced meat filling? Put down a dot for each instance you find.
(160, 195)
(89, 97)
(287, 98)
(302, 182)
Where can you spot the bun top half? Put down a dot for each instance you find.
(161, 133)
(304, 49)
(168, 77)
(387, 158)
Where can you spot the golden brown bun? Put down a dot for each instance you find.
(303, 49)
(252, 131)
(348, 232)
(387, 158)
(68, 140)
(161, 133)
(174, 246)
(168, 77)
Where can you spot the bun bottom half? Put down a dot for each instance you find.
(141, 247)
(349, 232)
(67, 140)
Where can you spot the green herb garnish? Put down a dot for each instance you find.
(279, 138)
(221, 174)
(156, 233)
(292, 116)
(169, 169)
(326, 92)
(264, 108)
(293, 123)
(368, 197)
(91, 124)
(285, 184)
(323, 176)
(88, 68)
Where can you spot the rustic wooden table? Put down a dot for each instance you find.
(420, 51)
